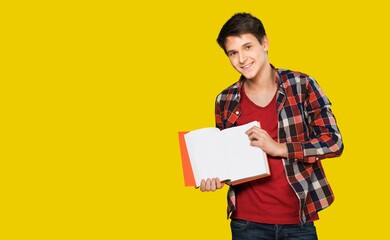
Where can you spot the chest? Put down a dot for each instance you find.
(262, 99)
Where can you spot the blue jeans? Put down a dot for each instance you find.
(245, 230)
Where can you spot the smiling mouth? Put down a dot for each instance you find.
(247, 66)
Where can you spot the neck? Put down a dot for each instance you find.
(263, 81)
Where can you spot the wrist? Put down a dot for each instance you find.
(282, 150)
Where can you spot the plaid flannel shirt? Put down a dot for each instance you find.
(307, 126)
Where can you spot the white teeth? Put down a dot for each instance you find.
(248, 65)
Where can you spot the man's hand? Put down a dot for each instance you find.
(210, 184)
(260, 138)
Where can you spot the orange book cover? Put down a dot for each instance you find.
(189, 179)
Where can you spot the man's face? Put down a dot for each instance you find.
(246, 54)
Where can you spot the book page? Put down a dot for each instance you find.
(208, 159)
(244, 160)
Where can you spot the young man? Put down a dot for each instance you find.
(297, 131)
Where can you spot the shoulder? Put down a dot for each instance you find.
(297, 80)
(301, 85)
(230, 92)
(293, 77)
(298, 84)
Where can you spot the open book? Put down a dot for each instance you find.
(226, 154)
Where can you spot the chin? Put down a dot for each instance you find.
(248, 76)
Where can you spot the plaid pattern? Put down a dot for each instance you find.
(307, 126)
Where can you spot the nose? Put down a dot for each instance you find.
(242, 57)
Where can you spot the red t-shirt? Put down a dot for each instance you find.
(271, 199)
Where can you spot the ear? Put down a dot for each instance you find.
(265, 43)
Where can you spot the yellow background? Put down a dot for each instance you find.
(93, 94)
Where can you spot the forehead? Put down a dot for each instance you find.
(235, 42)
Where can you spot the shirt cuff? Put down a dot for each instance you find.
(295, 151)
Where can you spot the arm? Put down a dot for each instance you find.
(324, 136)
(218, 114)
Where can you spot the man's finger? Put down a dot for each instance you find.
(202, 185)
(213, 185)
(218, 183)
(208, 183)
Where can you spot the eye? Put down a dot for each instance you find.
(248, 47)
(231, 54)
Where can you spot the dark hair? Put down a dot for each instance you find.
(238, 24)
